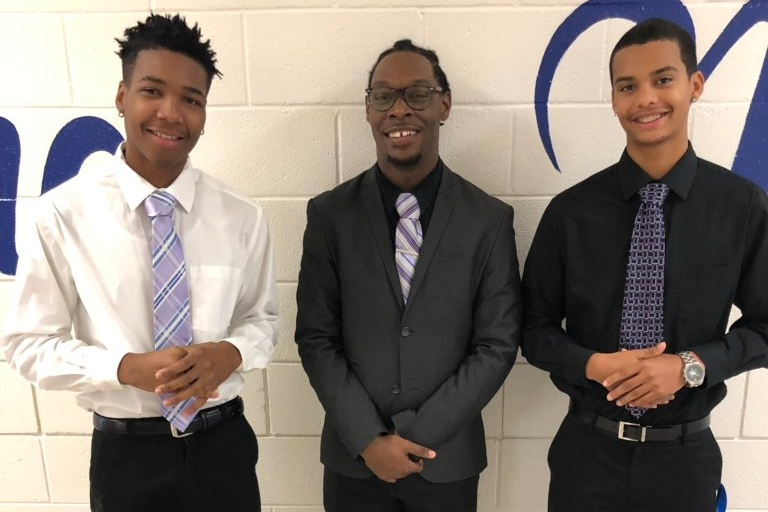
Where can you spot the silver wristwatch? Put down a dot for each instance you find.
(693, 371)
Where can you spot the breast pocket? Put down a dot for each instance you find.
(214, 291)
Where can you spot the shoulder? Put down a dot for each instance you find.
(471, 197)
(214, 193)
(720, 180)
(346, 194)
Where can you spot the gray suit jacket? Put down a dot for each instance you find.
(427, 369)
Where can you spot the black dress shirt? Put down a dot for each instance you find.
(425, 193)
(716, 256)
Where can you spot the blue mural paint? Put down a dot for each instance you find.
(586, 15)
(10, 157)
(75, 142)
(752, 152)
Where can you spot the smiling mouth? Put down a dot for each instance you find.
(401, 133)
(650, 118)
(165, 136)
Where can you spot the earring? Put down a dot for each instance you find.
(615, 114)
(202, 132)
(693, 99)
(120, 113)
(442, 123)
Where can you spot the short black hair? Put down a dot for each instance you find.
(656, 29)
(406, 45)
(166, 32)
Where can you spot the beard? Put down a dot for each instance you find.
(411, 161)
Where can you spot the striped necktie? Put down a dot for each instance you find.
(173, 320)
(408, 239)
(642, 313)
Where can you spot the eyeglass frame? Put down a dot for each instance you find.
(400, 94)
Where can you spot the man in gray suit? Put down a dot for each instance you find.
(408, 307)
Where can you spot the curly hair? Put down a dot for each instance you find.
(405, 45)
(166, 32)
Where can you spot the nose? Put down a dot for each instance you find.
(400, 107)
(169, 110)
(647, 95)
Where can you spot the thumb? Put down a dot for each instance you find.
(420, 451)
(654, 351)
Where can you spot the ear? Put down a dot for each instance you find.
(445, 106)
(120, 96)
(367, 109)
(697, 81)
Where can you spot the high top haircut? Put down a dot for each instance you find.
(405, 45)
(656, 29)
(166, 32)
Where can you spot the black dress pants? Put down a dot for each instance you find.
(410, 494)
(210, 471)
(592, 471)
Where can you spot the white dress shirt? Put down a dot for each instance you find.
(84, 287)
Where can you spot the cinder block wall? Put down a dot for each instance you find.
(286, 123)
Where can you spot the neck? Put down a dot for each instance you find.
(407, 177)
(657, 160)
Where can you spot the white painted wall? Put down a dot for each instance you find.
(286, 123)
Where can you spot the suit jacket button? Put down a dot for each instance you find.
(395, 389)
(405, 332)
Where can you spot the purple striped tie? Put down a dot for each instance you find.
(173, 321)
(642, 313)
(408, 238)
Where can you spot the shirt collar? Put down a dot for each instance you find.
(425, 191)
(135, 188)
(679, 179)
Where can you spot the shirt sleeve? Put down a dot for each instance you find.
(319, 337)
(745, 346)
(545, 344)
(37, 338)
(253, 328)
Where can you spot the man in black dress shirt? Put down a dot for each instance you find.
(603, 458)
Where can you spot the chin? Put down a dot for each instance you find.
(411, 161)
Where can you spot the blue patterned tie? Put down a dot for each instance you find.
(173, 321)
(642, 313)
(408, 239)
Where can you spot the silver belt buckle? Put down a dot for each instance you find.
(624, 424)
(175, 433)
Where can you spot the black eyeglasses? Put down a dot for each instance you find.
(416, 96)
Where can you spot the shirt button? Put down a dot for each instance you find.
(405, 332)
(395, 389)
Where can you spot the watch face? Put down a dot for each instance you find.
(694, 374)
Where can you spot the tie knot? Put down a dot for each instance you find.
(654, 193)
(407, 206)
(159, 204)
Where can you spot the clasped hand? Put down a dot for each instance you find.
(392, 457)
(639, 378)
(178, 373)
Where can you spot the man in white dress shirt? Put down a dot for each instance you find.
(83, 318)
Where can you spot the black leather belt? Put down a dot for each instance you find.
(204, 419)
(635, 432)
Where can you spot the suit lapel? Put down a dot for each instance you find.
(444, 203)
(380, 227)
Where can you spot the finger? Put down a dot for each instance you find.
(625, 387)
(194, 407)
(619, 376)
(420, 451)
(176, 385)
(633, 396)
(180, 367)
(653, 351)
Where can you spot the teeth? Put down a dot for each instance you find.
(649, 119)
(166, 137)
(404, 133)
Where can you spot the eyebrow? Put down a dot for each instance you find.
(665, 69)
(160, 81)
(418, 81)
